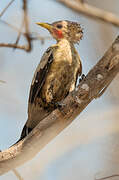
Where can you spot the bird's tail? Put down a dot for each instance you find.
(26, 130)
(24, 133)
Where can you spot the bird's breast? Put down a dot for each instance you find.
(61, 73)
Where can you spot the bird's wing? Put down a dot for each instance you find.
(35, 112)
(40, 74)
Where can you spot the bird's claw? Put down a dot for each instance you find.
(59, 105)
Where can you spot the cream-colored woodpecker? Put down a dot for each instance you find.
(57, 73)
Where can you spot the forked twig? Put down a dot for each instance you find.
(26, 34)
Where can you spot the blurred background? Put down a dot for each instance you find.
(88, 148)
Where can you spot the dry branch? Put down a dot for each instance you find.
(33, 35)
(19, 33)
(17, 174)
(96, 80)
(26, 34)
(9, 45)
(4, 10)
(108, 177)
(91, 11)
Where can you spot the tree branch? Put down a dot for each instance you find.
(33, 35)
(4, 10)
(17, 174)
(89, 88)
(27, 47)
(91, 11)
(27, 34)
(108, 177)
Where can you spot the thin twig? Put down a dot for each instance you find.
(37, 36)
(19, 33)
(9, 4)
(9, 45)
(11, 26)
(107, 177)
(17, 174)
(27, 33)
(91, 11)
(33, 35)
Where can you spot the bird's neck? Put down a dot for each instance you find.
(64, 52)
(64, 43)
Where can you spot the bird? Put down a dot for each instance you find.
(56, 75)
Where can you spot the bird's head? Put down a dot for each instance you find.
(71, 31)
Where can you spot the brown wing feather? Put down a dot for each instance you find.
(40, 74)
(36, 113)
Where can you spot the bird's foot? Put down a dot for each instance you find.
(82, 77)
(60, 106)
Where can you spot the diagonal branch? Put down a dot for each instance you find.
(98, 78)
(107, 177)
(91, 11)
(19, 33)
(9, 4)
(17, 174)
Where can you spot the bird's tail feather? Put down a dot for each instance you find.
(26, 130)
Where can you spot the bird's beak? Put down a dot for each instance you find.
(45, 25)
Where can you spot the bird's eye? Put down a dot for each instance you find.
(59, 26)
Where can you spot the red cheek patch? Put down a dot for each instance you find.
(58, 33)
